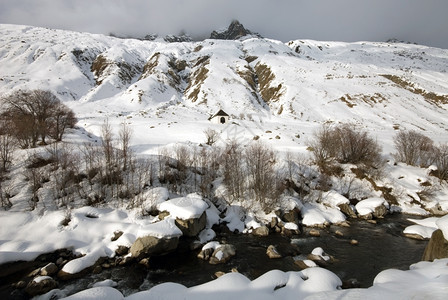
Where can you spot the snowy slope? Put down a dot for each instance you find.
(263, 84)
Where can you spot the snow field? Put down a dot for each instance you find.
(424, 280)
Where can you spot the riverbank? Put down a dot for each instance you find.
(380, 246)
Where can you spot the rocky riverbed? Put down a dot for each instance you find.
(379, 245)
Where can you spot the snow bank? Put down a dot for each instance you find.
(98, 293)
(26, 235)
(424, 280)
(234, 217)
(189, 207)
(425, 227)
(164, 229)
(77, 265)
(442, 223)
(154, 197)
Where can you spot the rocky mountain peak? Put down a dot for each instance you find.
(235, 31)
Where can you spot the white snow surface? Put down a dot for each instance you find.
(425, 227)
(89, 232)
(424, 280)
(367, 206)
(333, 198)
(189, 207)
(317, 213)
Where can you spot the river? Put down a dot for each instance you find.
(381, 246)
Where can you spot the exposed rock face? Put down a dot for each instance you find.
(301, 264)
(177, 38)
(261, 231)
(150, 245)
(437, 247)
(192, 227)
(62, 275)
(380, 212)
(40, 286)
(347, 210)
(122, 250)
(49, 270)
(314, 232)
(291, 216)
(235, 31)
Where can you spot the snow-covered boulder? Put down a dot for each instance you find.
(156, 239)
(49, 269)
(320, 257)
(189, 213)
(372, 207)
(192, 227)
(438, 244)
(150, 245)
(217, 253)
(40, 285)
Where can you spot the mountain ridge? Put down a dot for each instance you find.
(379, 85)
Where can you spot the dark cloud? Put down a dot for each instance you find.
(423, 22)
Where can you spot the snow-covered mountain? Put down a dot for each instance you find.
(263, 84)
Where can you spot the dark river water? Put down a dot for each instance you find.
(381, 246)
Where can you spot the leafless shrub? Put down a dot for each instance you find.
(209, 158)
(233, 171)
(125, 135)
(7, 146)
(344, 144)
(414, 148)
(323, 148)
(441, 162)
(65, 173)
(263, 179)
(4, 196)
(35, 177)
(357, 147)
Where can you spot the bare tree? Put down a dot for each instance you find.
(211, 136)
(35, 114)
(107, 144)
(7, 145)
(125, 135)
(441, 161)
(61, 119)
(234, 172)
(209, 162)
(4, 197)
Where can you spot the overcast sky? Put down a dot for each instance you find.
(420, 21)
